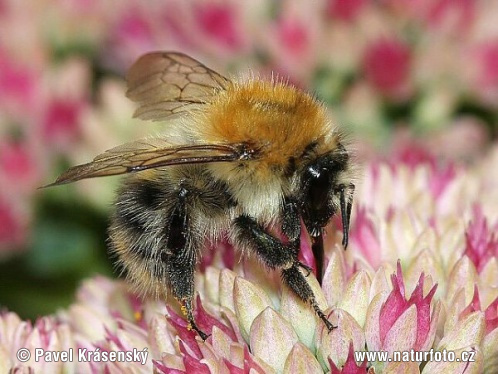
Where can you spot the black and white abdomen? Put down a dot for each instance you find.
(162, 219)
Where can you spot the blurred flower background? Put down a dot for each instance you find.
(413, 83)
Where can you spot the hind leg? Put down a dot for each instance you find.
(152, 235)
(181, 260)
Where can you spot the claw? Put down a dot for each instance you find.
(322, 316)
(305, 267)
(203, 335)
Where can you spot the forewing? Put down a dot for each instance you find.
(168, 83)
(151, 153)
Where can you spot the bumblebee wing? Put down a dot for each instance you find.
(151, 153)
(168, 83)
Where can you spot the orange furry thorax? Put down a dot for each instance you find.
(278, 119)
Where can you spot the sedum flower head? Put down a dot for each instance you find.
(47, 333)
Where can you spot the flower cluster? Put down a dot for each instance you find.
(421, 274)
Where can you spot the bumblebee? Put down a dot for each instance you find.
(236, 160)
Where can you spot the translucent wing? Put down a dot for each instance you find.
(168, 83)
(152, 153)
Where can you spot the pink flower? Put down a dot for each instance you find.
(364, 237)
(134, 27)
(350, 366)
(293, 36)
(487, 63)
(333, 346)
(481, 241)
(458, 14)
(225, 345)
(11, 226)
(220, 22)
(490, 314)
(18, 85)
(413, 155)
(61, 122)
(396, 304)
(16, 162)
(46, 333)
(345, 10)
(396, 323)
(386, 64)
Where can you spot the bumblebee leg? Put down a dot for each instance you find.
(297, 282)
(277, 255)
(181, 273)
(181, 261)
(188, 310)
(270, 250)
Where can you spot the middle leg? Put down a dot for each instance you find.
(277, 255)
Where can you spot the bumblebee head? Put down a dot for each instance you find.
(324, 188)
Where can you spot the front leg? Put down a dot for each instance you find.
(277, 255)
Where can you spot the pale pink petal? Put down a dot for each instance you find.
(272, 338)
(249, 302)
(334, 278)
(448, 367)
(301, 360)
(402, 368)
(334, 345)
(470, 331)
(355, 299)
(403, 333)
(292, 308)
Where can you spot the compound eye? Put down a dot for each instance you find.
(319, 187)
(317, 207)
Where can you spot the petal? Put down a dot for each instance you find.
(267, 280)
(249, 301)
(453, 310)
(272, 338)
(334, 278)
(403, 333)
(205, 321)
(452, 367)
(159, 335)
(212, 284)
(335, 344)
(301, 360)
(210, 358)
(355, 298)
(372, 324)
(193, 364)
(489, 273)
(490, 352)
(300, 314)
(380, 283)
(226, 284)
(425, 262)
(186, 335)
(350, 366)
(230, 317)
(463, 274)
(401, 368)
(468, 332)
(221, 343)
(431, 334)
(88, 322)
(392, 308)
(5, 362)
(255, 365)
